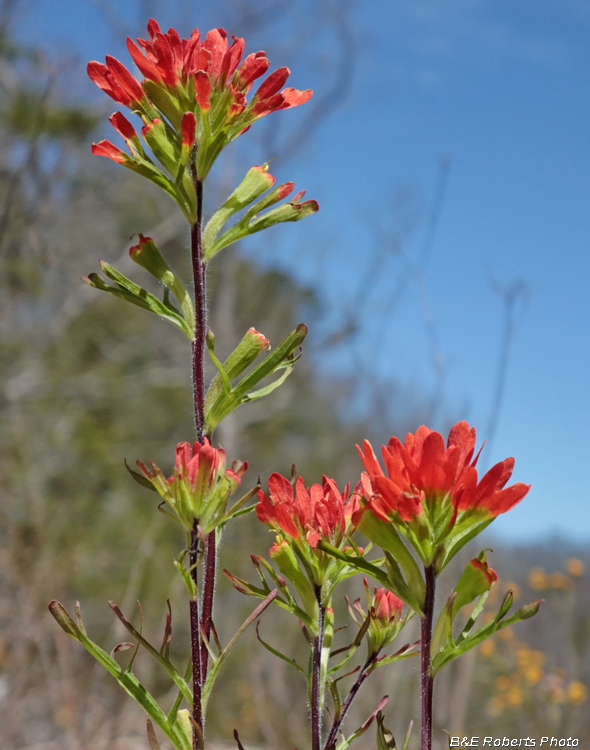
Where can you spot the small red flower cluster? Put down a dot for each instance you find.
(199, 486)
(318, 513)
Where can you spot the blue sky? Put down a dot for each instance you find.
(502, 89)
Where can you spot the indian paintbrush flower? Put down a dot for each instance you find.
(301, 517)
(200, 486)
(202, 77)
(306, 515)
(431, 494)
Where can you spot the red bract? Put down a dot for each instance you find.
(423, 472)
(189, 69)
(388, 607)
(108, 149)
(116, 81)
(320, 512)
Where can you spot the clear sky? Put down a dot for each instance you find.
(501, 88)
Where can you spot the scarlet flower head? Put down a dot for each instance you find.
(431, 493)
(319, 512)
(301, 518)
(200, 486)
(203, 76)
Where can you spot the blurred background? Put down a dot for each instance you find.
(444, 278)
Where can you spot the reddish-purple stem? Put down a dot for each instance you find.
(207, 601)
(200, 315)
(426, 638)
(198, 352)
(195, 639)
(363, 674)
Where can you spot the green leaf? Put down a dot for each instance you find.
(385, 536)
(256, 182)
(251, 223)
(221, 402)
(361, 730)
(191, 586)
(452, 651)
(131, 292)
(127, 680)
(457, 542)
(216, 666)
(180, 683)
(385, 738)
(282, 656)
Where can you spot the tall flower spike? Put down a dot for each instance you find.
(431, 493)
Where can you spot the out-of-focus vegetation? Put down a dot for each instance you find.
(88, 381)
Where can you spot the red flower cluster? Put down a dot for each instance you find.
(201, 72)
(422, 471)
(200, 484)
(318, 513)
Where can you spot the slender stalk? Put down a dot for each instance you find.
(195, 639)
(316, 708)
(337, 723)
(427, 679)
(207, 602)
(198, 368)
(200, 314)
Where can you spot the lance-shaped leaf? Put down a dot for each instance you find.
(159, 657)
(362, 729)
(147, 255)
(126, 679)
(132, 292)
(476, 580)
(405, 652)
(285, 600)
(252, 222)
(385, 536)
(385, 738)
(139, 478)
(462, 534)
(282, 656)
(391, 579)
(224, 401)
(219, 660)
(256, 182)
(452, 650)
(252, 344)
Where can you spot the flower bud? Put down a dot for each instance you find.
(200, 485)
(385, 610)
(476, 579)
